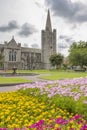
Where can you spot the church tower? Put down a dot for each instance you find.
(48, 40)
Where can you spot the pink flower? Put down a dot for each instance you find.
(76, 97)
(85, 101)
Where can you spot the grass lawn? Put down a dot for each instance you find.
(4, 80)
(52, 75)
(31, 71)
(55, 75)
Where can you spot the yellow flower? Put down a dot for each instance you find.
(56, 125)
(52, 111)
(58, 116)
(68, 127)
(30, 123)
(2, 117)
(8, 118)
(26, 121)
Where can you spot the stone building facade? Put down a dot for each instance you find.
(30, 58)
(20, 57)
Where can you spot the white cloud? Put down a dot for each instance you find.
(34, 12)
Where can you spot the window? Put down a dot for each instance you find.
(12, 56)
(38, 57)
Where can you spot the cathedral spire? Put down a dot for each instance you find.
(48, 22)
(13, 37)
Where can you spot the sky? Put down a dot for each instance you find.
(24, 19)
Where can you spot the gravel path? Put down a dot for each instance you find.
(9, 88)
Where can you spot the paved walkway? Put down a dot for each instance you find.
(34, 78)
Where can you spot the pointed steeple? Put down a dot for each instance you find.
(48, 22)
(13, 37)
(12, 41)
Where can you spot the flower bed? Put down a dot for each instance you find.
(53, 105)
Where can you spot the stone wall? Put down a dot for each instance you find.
(48, 47)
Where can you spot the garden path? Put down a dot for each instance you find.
(12, 87)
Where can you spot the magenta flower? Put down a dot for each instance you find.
(84, 127)
(77, 116)
(38, 125)
(3, 128)
(61, 121)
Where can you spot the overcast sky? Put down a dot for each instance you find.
(26, 18)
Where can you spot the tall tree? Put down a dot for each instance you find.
(56, 60)
(78, 53)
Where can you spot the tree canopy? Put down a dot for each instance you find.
(78, 53)
(56, 59)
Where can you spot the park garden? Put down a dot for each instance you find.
(48, 105)
(60, 103)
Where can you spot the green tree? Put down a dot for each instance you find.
(78, 53)
(56, 60)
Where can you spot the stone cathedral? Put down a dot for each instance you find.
(30, 58)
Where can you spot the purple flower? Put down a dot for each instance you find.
(84, 127)
(76, 97)
(41, 122)
(61, 121)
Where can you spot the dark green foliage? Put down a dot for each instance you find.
(56, 59)
(78, 53)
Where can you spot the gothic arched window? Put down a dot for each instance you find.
(12, 56)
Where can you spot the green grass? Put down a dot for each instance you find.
(30, 71)
(55, 75)
(4, 80)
